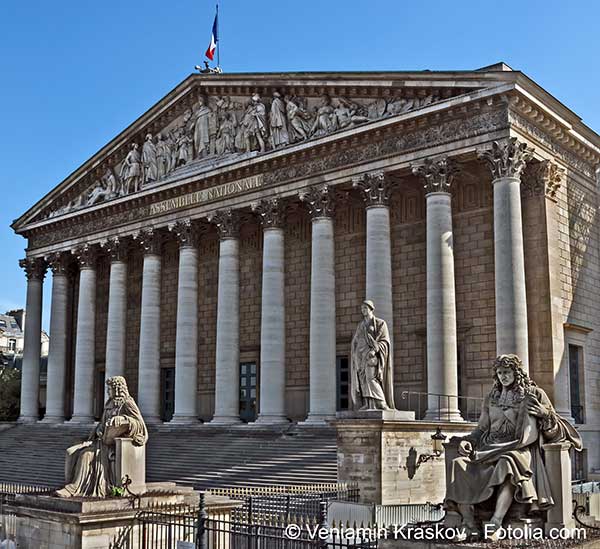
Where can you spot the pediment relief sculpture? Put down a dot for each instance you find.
(220, 126)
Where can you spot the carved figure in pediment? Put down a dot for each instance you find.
(325, 121)
(278, 122)
(184, 147)
(204, 128)
(299, 119)
(131, 171)
(347, 114)
(376, 109)
(111, 182)
(254, 124)
(149, 159)
(97, 193)
(163, 156)
(225, 142)
(172, 144)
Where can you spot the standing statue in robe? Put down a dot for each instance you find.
(278, 122)
(90, 465)
(131, 171)
(203, 122)
(150, 159)
(502, 460)
(371, 383)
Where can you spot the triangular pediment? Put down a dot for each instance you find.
(218, 119)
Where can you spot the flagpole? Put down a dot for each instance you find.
(218, 39)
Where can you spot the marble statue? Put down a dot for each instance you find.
(298, 118)
(225, 142)
(325, 120)
(97, 193)
(278, 122)
(347, 114)
(149, 159)
(90, 467)
(202, 128)
(501, 461)
(255, 126)
(371, 382)
(131, 171)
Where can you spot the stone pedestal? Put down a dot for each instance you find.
(379, 450)
(131, 461)
(558, 466)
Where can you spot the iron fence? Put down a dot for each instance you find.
(441, 407)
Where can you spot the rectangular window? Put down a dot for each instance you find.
(343, 383)
(12, 344)
(248, 388)
(167, 383)
(576, 382)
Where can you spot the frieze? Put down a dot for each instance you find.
(569, 158)
(451, 130)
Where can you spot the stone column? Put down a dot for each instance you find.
(272, 318)
(57, 352)
(186, 340)
(149, 354)
(116, 328)
(83, 400)
(376, 192)
(322, 366)
(35, 270)
(507, 160)
(227, 378)
(442, 359)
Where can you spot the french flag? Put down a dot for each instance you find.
(210, 52)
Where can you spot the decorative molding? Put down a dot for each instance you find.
(506, 158)
(438, 173)
(187, 233)
(319, 200)
(270, 212)
(60, 263)
(34, 267)
(150, 239)
(375, 187)
(542, 179)
(227, 222)
(86, 256)
(117, 248)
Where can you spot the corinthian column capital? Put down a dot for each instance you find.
(117, 248)
(319, 200)
(542, 179)
(375, 187)
(86, 256)
(507, 158)
(150, 240)
(270, 212)
(59, 263)
(227, 223)
(34, 267)
(187, 233)
(438, 174)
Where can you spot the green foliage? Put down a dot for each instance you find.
(117, 491)
(10, 393)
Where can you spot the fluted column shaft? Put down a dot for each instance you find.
(83, 401)
(57, 352)
(227, 382)
(149, 353)
(442, 360)
(509, 264)
(272, 329)
(186, 341)
(116, 330)
(30, 372)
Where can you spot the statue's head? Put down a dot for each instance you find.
(117, 387)
(367, 308)
(509, 373)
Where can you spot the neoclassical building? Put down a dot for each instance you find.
(217, 251)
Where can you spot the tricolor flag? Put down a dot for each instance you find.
(210, 52)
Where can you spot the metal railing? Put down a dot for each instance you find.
(440, 407)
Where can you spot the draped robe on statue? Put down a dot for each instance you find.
(89, 467)
(371, 378)
(507, 444)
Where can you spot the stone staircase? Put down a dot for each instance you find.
(201, 456)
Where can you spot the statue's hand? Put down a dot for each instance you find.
(535, 408)
(118, 421)
(465, 448)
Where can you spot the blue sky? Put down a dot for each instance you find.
(75, 73)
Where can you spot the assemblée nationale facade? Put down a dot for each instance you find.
(217, 251)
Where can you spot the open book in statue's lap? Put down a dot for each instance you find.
(502, 460)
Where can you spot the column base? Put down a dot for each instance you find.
(184, 420)
(81, 420)
(317, 420)
(443, 414)
(52, 419)
(267, 419)
(28, 419)
(225, 420)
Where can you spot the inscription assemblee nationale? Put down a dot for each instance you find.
(206, 195)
